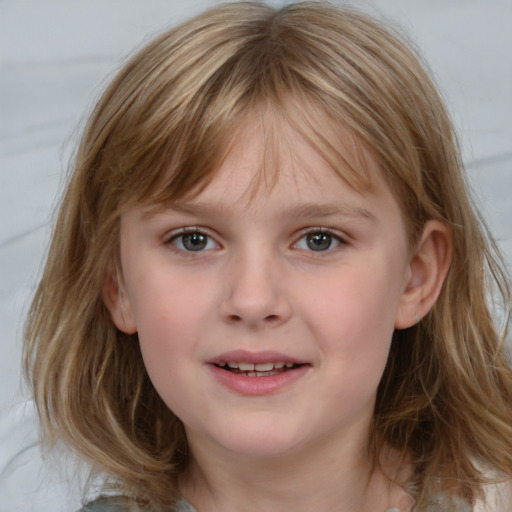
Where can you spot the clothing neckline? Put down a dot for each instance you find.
(185, 506)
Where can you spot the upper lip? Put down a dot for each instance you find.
(246, 356)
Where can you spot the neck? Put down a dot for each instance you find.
(317, 478)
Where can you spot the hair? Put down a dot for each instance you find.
(161, 130)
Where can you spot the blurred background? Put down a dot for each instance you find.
(56, 56)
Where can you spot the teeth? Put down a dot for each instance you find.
(259, 367)
(263, 367)
(260, 374)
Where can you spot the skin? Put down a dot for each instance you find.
(256, 286)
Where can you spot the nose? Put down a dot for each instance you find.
(255, 293)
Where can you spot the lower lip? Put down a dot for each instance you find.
(258, 386)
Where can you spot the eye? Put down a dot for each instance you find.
(318, 241)
(193, 241)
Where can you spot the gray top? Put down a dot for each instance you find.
(118, 504)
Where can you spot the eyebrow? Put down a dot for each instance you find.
(308, 210)
(330, 210)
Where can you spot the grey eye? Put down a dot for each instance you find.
(194, 242)
(318, 241)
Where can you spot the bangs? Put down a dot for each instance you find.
(207, 145)
(179, 107)
(176, 127)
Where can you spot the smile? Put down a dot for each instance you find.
(256, 369)
(257, 373)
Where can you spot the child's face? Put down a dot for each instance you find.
(310, 273)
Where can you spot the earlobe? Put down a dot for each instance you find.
(427, 271)
(117, 301)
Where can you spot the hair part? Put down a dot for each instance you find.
(161, 131)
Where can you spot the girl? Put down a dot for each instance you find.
(268, 288)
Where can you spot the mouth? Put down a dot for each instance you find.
(265, 369)
(258, 373)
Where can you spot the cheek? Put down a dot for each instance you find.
(168, 302)
(356, 329)
(360, 297)
(167, 343)
(354, 319)
(157, 312)
(172, 313)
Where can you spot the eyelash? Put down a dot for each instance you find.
(175, 236)
(337, 239)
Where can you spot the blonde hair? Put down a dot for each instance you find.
(161, 130)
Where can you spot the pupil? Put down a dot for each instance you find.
(194, 241)
(319, 241)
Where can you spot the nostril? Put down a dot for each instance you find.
(268, 318)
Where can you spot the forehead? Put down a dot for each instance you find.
(295, 149)
(273, 165)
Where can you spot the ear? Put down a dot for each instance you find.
(428, 268)
(117, 301)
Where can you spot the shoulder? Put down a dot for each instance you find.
(122, 504)
(498, 498)
(445, 503)
(111, 504)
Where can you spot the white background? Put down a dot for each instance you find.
(57, 56)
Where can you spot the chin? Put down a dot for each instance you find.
(260, 442)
